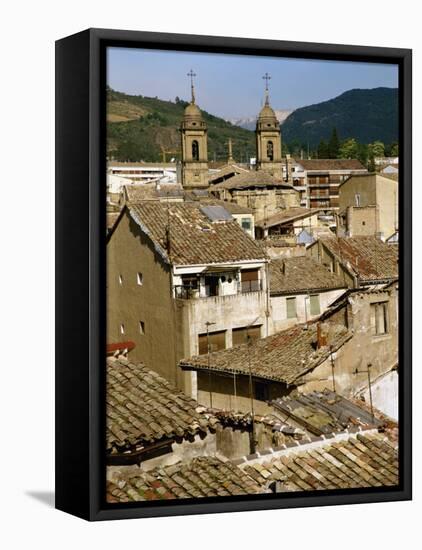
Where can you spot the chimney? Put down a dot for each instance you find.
(321, 336)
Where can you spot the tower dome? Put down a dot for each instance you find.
(192, 112)
(267, 112)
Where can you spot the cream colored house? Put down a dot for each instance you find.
(368, 205)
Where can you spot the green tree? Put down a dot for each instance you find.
(333, 145)
(394, 150)
(371, 164)
(376, 149)
(348, 149)
(323, 150)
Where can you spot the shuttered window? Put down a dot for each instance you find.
(291, 308)
(379, 318)
(314, 304)
(249, 280)
(217, 342)
(239, 335)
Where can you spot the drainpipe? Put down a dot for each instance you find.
(267, 292)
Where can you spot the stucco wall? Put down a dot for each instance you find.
(362, 221)
(279, 308)
(129, 252)
(385, 394)
(227, 312)
(264, 202)
(373, 191)
(380, 351)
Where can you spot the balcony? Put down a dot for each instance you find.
(182, 292)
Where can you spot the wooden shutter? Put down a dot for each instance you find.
(217, 342)
(239, 335)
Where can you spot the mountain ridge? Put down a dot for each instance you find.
(364, 114)
(146, 128)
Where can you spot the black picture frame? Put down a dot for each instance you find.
(80, 270)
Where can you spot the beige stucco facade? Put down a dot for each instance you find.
(279, 315)
(368, 205)
(351, 361)
(264, 202)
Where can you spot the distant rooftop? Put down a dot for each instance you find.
(368, 257)
(150, 191)
(287, 215)
(251, 179)
(331, 164)
(300, 274)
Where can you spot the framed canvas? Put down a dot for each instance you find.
(233, 302)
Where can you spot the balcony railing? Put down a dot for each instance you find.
(188, 293)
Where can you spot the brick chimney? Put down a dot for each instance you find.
(321, 336)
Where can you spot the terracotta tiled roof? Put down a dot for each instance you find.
(331, 164)
(191, 237)
(325, 412)
(148, 191)
(201, 477)
(252, 178)
(364, 460)
(143, 408)
(368, 257)
(227, 170)
(284, 357)
(301, 273)
(287, 215)
(231, 207)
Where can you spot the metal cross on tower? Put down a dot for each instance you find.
(191, 75)
(267, 78)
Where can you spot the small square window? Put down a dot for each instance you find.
(141, 327)
(122, 328)
(139, 278)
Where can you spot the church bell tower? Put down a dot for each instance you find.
(268, 138)
(194, 144)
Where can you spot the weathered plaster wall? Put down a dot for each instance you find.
(279, 308)
(385, 394)
(351, 361)
(129, 252)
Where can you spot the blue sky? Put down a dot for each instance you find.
(232, 85)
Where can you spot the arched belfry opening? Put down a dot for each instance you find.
(270, 150)
(195, 150)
